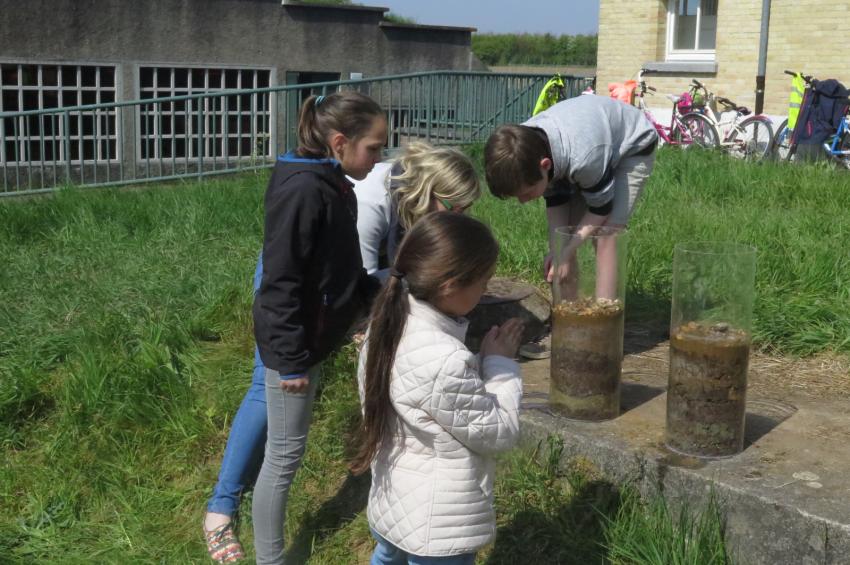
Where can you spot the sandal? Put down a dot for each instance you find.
(223, 545)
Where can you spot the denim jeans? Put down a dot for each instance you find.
(246, 443)
(387, 554)
(289, 417)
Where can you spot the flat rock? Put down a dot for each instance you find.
(507, 298)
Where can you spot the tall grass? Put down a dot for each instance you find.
(651, 533)
(105, 412)
(125, 348)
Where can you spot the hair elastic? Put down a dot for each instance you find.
(396, 273)
(319, 99)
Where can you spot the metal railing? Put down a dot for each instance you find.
(228, 131)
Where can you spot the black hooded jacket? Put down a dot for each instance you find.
(823, 110)
(313, 285)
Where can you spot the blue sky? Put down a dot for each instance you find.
(502, 16)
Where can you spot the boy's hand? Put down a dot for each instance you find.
(547, 267)
(503, 340)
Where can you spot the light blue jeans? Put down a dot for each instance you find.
(246, 443)
(387, 554)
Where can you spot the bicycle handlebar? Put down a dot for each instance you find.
(697, 86)
(807, 78)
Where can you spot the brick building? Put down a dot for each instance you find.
(717, 42)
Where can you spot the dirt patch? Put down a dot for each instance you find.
(824, 376)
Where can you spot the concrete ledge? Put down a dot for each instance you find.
(773, 516)
(681, 67)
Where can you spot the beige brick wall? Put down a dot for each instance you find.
(805, 35)
(628, 33)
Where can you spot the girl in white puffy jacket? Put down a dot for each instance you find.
(433, 412)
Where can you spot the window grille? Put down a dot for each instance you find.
(231, 126)
(40, 138)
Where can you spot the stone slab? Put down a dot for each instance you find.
(786, 497)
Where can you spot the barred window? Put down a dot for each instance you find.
(91, 134)
(236, 125)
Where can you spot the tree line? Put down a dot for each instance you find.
(517, 49)
(527, 49)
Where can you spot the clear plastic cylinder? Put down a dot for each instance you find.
(588, 288)
(710, 336)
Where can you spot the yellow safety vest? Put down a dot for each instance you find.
(798, 87)
(549, 95)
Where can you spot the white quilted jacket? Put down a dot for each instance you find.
(432, 486)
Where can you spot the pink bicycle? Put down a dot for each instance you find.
(690, 129)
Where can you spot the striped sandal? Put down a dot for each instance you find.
(223, 545)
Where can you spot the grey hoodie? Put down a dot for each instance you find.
(588, 136)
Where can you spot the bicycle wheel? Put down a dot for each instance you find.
(844, 147)
(697, 131)
(751, 138)
(781, 146)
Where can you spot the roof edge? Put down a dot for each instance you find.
(349, 7)
(425, 27)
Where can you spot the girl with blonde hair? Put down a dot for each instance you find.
(397, 193)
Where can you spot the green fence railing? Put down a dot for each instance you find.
(228, 131)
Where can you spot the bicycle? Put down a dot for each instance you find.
(685, 130)
(744, 136)
(836, 147)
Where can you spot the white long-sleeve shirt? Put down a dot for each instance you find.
(377, 218)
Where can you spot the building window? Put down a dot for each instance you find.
(691, 30)
(233, 126)
(92, 134)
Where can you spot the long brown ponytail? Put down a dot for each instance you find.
(347, 111)
(441, 247)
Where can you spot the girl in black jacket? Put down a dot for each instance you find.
(313, 283)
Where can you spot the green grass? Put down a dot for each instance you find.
(125, 349)
(649, 532)
(549, 513)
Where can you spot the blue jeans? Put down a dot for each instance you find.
(387, 554)
(246, 443)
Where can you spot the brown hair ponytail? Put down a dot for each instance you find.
(348, 112)
(440, 248)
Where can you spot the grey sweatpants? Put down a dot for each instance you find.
(289, 420)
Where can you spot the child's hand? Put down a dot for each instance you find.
(295, 386)
(503, 340)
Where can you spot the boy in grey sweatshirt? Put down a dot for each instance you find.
(588, 156)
